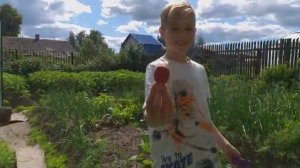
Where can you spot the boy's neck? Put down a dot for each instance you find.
(175, 56)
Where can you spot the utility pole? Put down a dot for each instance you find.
(5, 111)
(1, 67)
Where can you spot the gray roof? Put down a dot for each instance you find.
(29, 44)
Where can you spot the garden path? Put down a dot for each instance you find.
(15, 134)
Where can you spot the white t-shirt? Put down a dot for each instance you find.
(183, 143)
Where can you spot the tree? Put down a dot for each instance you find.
(72, 39)
(10, 20)
(80, 37)
(97, 38)
(199, 41)
(130, 58)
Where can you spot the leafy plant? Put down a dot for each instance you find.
(93, 155)
(143, 156)
(247, 112)
(283, 147)
(53, 158)
(280, 73)
(8, 158)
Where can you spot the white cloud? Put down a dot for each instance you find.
(49, 18)
(152, 29)
(132, 26)
(101, 22)
(109, 6)
(137, 9)
(63, 10)
(225, 32)
(114, 42)
(284, 12)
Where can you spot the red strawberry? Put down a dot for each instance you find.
(161, 74)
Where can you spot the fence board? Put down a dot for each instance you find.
(249, 58)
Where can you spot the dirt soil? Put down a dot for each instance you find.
(122, 144)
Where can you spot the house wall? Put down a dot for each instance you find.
(152, 49)
(130, 42)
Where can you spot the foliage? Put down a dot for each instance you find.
(93, 155)
(199, 40)
(283, 147)
(15, 90)
(14, 84)
(249, 111)
(72, 39)
(91, 82)
(67, 122)
(8, 158)
(24, 66)
(131, 58)
(53, 158)
(143, 155)
(10, 20)
(281, 73)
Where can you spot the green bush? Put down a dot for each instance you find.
(282, 148)
(91, 82)
(15, 90)
(14, 84)
(24, 66)
(248, 112)
(8, 158)
(53, 158)
(281, 73)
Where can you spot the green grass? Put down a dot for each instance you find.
(248, 112)
(8, 157)
(53, 158)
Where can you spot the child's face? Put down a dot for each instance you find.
(179, 32)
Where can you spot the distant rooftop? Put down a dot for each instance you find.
(293, 35)
(145, 39)
(36, 44)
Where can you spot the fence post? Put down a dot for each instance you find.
(258, 62)
(17, 54)
(287, 52)
(72, 58)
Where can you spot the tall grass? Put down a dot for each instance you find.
(249, 111)
(69, 117)
(7, 156)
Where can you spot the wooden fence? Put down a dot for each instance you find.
(55, 56)
(249, 58)
(244, 58)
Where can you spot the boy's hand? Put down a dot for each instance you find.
(159, 108)
(234, 156)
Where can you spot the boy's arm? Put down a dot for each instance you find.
(229, 151)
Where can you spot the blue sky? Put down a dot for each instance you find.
(218, 21)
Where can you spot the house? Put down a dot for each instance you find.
(150, 45)
(37, 46)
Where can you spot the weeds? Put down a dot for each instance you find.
(8, 158)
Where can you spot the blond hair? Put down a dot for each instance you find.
(175, 6)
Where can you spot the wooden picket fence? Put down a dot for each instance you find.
(249, 58)
(54, 56)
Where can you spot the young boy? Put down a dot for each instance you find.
(182, 134)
